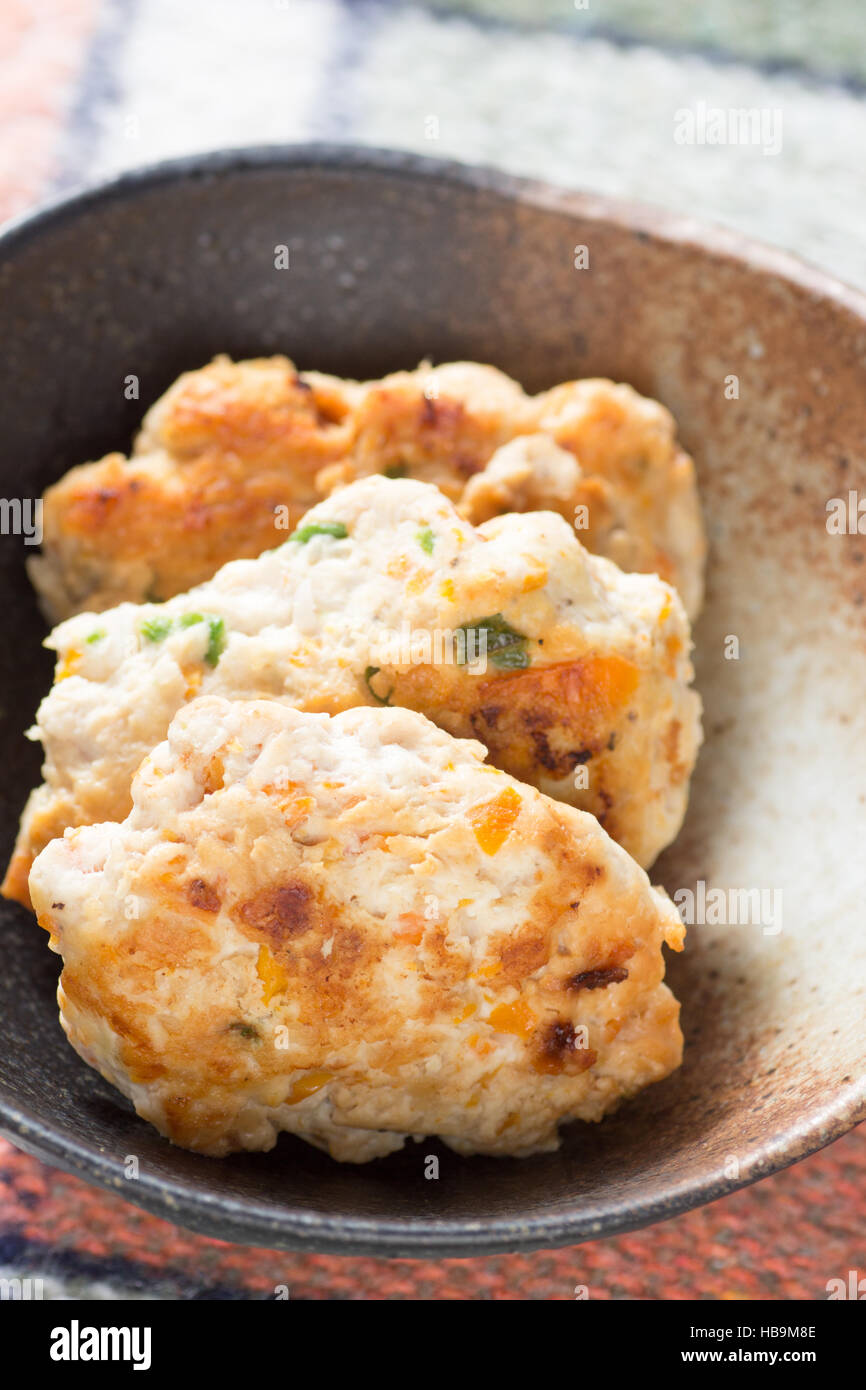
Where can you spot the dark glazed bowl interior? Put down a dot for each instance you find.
(393, 258)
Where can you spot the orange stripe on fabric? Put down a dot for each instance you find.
(42, 48)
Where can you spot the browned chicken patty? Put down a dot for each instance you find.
(583, 689)
(234, 445)
(355, 930)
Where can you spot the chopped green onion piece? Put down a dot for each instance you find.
(96, 636)
(216, 642)
(246, 1030)
(506, 647)
(425, 539)
(320, 528)
(217, 634)
(156, 629)
(368, 675)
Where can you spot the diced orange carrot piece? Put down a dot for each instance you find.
(494, 820)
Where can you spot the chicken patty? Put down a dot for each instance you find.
(573, 674)
(352, 929)
(216, 455)
(231, 444)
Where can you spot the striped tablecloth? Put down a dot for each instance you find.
(591, 95)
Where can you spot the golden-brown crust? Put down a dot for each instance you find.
(229, 444)
(219, 454)
(597, 713)
(314, 981)
(544, 723)
(440, 439)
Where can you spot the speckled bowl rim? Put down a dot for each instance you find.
(251, 1222)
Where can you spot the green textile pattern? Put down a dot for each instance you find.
(827, 36)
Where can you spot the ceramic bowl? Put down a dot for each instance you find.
(763, 362)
